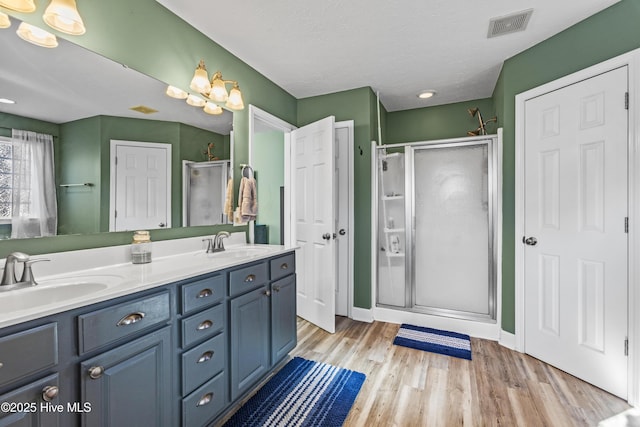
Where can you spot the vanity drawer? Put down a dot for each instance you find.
(202, 325)
(247, 278)
(202, 293)
(113, 323)
(282, 266)
(205, 403)
(28, 352)
(202, 362)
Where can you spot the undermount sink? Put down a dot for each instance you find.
(55, 290)
(240, 252)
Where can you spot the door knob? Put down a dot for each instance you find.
(531, 241)
(162, 225)
(342, 232)
(326, 236)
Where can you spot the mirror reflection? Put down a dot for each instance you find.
(87, 104)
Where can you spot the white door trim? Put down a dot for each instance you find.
(632, 60)
(112, 175)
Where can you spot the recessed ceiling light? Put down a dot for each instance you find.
(7, 101)
(426, 94)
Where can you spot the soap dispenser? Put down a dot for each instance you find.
(141, 247)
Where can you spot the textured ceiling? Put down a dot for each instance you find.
(311, 47)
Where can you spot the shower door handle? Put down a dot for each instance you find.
(531, 241)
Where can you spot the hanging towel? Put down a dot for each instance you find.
(228, 201)
(248, 199)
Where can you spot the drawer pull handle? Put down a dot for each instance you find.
(96, 372)
(206, 356)
(1, 364)
(130, 319)
(267, 293)
(49, 393)
(205, 325)
(207, 398)
(276, 288)
(250, 278)
(284, 266)
(205, 293)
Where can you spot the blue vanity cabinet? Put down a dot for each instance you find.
(283, 318)
(203, 343)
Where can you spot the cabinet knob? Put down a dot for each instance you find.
(250, 278)
(284, 266)
(206, 356)
(207, 398)
(205, 293)
(96, 372)
(205, 325)
(276, 288)
(49, 393)
(130, 319)
(267, 292)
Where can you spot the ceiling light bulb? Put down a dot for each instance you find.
(211, 108)
(195, 101)
(176, 93)
(235, 98)
(5, 22)
(426, 94)
(25, 6)
(218, 89)
(62, 15)
(36, 35)
(7, 101)
(200, 81)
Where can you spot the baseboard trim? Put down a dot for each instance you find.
(507, 339)
(362, 314)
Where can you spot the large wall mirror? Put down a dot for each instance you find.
(86, 101)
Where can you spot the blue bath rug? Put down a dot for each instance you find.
(434, 340)
(303, 393)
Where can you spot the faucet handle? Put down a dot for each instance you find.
(27, 273)
(209, 241)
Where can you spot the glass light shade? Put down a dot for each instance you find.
(218, 90)
(5, 22)
(195, 101)
(176, 93)
(36, 35)
(211, 108)
(200, 81)
(62, 15)
(25, 6)
(235, 99)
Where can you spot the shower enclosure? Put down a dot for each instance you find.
(204, 192)
(437, 206)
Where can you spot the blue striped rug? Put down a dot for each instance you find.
(434, 340)
(303, 393)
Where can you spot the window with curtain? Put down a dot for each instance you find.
(27, 184)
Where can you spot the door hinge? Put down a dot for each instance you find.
(626, 346)
(626, 224)
(115, 214)
(626, 100)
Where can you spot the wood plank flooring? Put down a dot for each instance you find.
(407, 387)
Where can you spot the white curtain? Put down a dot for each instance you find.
(34, 191)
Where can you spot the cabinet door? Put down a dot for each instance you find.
(283, 317)
(29, 408)
(249, 340)
(129, 385)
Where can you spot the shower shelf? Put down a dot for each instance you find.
(394, 230)
(395, 197)
(391, 255)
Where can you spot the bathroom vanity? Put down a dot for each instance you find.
(178, 341)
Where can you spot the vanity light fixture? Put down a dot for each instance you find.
(24, 6)
(211, 108)
(195, 101)
(7, 101)
(36, 35)
(176, 92)
(426, 94)
(62, 15)
(216, 90)
(5, 22)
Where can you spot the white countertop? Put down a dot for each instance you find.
(172, 261)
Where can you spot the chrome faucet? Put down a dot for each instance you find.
(218, 245)
(9, 275)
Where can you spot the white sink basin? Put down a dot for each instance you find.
(55, 290)
(240, 252)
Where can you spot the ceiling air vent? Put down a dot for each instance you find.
(143, 109)
(509, 23)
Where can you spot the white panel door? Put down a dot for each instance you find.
(575, 209)
(141, 185)
(312, 149)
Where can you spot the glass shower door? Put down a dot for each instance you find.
(452, 210)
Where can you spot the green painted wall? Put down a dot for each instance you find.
(439, 122)
(357, 105)
(268, 164)
(614, 31)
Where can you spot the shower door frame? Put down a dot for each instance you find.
(493, 188)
